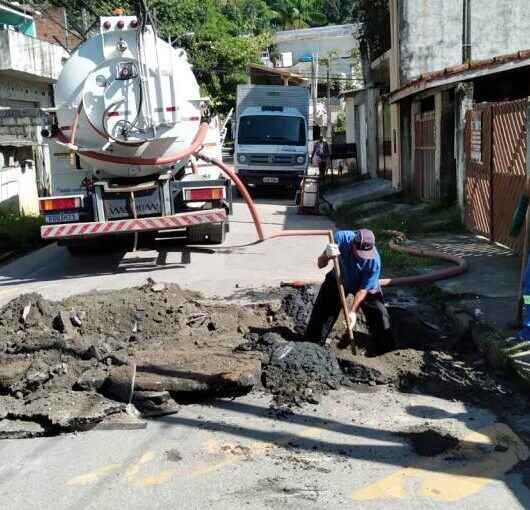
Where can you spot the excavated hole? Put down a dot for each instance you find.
(188, 349)
(428, 442)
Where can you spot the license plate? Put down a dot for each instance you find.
(271, 180)
(61, 218)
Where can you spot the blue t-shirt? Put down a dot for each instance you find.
(357, 273)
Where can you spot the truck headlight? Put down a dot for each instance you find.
(242, 158)
(300, 160)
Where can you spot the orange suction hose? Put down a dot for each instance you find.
(442, 274)
(241, 188)
(133, 160)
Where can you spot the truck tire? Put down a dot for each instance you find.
(211, 233)
(217, 234)
(84, 248)
(98, 246)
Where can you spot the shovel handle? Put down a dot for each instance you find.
(343, 301)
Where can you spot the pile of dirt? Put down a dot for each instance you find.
(73, 364)
(173, 344)
(302, 372)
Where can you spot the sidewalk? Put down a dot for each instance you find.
(363, 191)
(491, 284)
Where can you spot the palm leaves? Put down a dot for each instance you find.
(293, 14)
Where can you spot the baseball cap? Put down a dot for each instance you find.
(364, 244)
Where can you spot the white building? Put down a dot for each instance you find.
(28, 68)
(316, 54)
(336, 41)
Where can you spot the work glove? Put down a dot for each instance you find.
(332, 251)
(353, 320)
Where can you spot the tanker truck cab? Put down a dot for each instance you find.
(271, 142)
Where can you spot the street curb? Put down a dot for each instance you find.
(492, 344)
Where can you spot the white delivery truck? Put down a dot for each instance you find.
(271, 141)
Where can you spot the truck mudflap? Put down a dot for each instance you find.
(159, 223)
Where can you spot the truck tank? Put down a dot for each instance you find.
(127, 102)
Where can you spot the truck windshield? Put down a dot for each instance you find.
(271, 130)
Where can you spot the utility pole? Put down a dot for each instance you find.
(84, 19)
(329, 126)
(314, 88)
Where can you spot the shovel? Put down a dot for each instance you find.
(343, 301)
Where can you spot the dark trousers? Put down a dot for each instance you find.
(328, 307)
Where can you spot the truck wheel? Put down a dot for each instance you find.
(84, 248)
(211, 233)
(217, 233)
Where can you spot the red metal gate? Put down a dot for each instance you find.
(478, 172)
(496, 169)
(425, 186)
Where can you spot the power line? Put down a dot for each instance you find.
(323, 77)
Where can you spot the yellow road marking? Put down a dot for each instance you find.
(93, 476)
(158, 479)
(444, 482)
(231, 454)
(135, 468)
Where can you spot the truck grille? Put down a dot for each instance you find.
(272, 159)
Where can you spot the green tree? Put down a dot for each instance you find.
(372, 16)
(221, 36)
(339, 11)
(374, 19)
(293, 14)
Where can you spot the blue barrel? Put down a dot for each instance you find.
(524, 334)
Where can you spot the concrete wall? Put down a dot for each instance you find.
(20, 137)
(431, 32)
(23, 55)
(18, 190)
(361, 128)
(430, 35)
(499, 26)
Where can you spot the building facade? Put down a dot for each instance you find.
(446, 56)
(28, 68)
(329, 58)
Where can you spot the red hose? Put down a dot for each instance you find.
(442, 274)
(241, 188)
(461, 264)
(127, 160)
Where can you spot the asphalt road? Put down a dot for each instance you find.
(345, 453)
(214, 270)
(351, 451)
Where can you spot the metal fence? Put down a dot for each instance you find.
(495, 169)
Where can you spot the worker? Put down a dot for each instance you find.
(320, 157)
(360, 266)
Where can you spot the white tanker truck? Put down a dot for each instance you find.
(129, 108)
